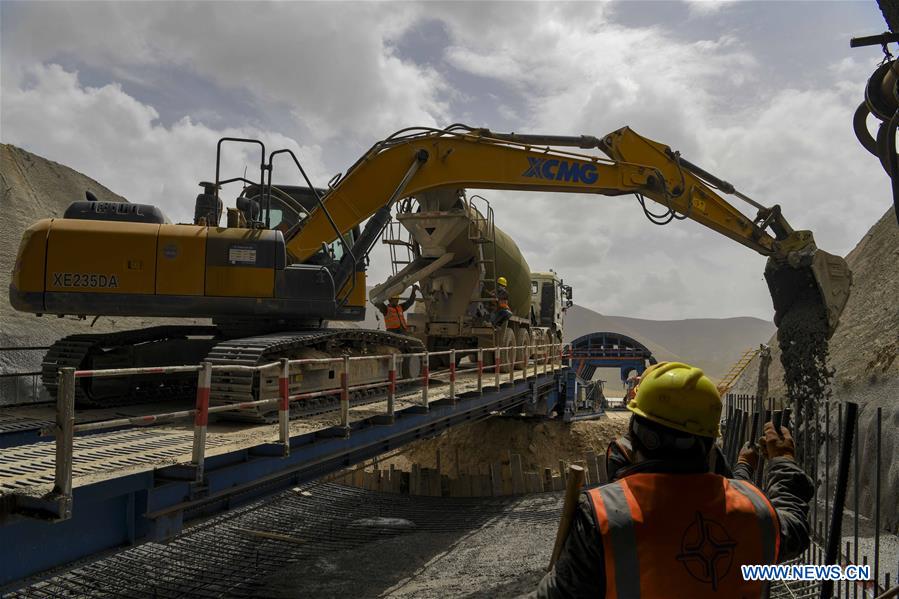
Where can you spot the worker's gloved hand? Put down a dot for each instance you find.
(749, 455)
(776, 446)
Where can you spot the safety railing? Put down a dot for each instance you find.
(532, 360)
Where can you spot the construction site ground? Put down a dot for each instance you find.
(328, 540)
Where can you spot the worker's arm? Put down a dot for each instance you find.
(580, 570)
(382, 308)
(789, 489)
(409, 302)
(747, 462)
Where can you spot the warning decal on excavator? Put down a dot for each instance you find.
(561, 170)
(242, 254)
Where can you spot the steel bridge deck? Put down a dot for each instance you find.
(147, 504)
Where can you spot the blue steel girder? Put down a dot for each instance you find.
(609, 350)
(153, 505)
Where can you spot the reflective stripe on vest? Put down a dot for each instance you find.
(767, 518)
(675, 535)
(394, 319)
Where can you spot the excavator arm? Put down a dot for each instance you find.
(409, 163)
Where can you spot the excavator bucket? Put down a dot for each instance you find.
(815, 288)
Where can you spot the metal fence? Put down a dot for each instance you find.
(18, 388)
(827, 448)
(531, 359)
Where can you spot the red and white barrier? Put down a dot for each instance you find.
(391, 388)
(345, 394)
(425, 381)
(201, 418)
(452, 375)
(284, 405)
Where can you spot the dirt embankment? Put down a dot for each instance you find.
(540, 444)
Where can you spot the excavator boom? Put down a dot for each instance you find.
(460, 157)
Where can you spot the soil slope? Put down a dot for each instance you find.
(32, 188)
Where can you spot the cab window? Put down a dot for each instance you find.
(337, 248)
(283, 216)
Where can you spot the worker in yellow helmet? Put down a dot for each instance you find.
(669, 524)
(503, 309)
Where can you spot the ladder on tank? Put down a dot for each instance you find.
(736, 370)
(482, 232)
(403, 249)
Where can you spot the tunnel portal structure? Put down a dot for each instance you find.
(609, 350)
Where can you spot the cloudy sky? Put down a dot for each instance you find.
(135, 95)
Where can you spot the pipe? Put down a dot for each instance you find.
(577, 141)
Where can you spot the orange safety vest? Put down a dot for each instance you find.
(683, 535)
(502, 300)
(394, 318)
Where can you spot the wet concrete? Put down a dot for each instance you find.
(802, 337)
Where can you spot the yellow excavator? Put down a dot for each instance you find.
(293, 257)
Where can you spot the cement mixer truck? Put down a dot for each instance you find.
(448, 244)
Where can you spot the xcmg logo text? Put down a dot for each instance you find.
(561, 170)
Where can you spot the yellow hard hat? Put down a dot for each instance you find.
(395, 297)
(502, 281)
(680, 397)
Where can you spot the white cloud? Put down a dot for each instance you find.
(332, 63)
(707, 7)
(118, 140)
(566, 68)
(705, 97)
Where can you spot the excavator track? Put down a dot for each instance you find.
(118, 350)
(241, 386)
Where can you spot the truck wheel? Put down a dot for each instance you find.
(438, 362)
(540, 340)
(522, 338)
(410, 368)
(507, 341)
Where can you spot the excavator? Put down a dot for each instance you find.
(293, 257)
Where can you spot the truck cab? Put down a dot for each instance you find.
(550, 298)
